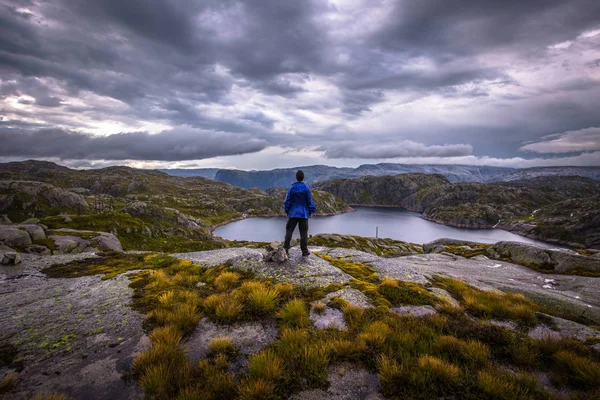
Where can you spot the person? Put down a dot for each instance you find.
(299, 207)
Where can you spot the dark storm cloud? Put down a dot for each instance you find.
(170, 61)
(448, 29)
(173, 145)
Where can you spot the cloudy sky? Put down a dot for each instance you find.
(260, 84)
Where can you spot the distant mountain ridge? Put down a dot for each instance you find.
(320, 173)
(208, 173)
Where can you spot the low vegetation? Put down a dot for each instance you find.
(446, 354)
(490, 304)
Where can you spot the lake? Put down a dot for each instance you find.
(394, 223)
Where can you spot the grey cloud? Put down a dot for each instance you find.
(178, 144)
(454, 28)
(405, 148)
(165, 61)
(572, 141)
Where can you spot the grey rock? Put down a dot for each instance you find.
(248, 337)
(524, 253)
(564, 328)
(330, 318)
(565, 261)
(11, 236)
(38, 249)
(275, 253)
(71, 311)
(310, 271)
(69, 244)
(444, 295)
(352, 296)
(68, 219)
(5, 219)
(415, 311)
(36, 232)
(559, 260)
(10, 258)
(273, 246)
(31, 221)
(107, 241)
(6, 249)
(346, 382)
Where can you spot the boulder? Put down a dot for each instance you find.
(14, 237)
(5, 219)
(10, 258)
(525, 254)
(36, 232)
(558, 260)
(31, 221)
(107, 241)
(565, 261)
(69, 244)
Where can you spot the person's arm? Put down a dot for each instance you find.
(288, 202)
(311, 204)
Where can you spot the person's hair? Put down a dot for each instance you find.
(300, 175)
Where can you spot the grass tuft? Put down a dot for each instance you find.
(399, 293)
(504, 385)
(285, 290)
(575, 371)
(319, 307)
(491, 304)
(222, 345)
(256, 389)
(8, 383)
(389, 372)
(266, 365)
(356, 270)
(294, 314)
(262, 301)
(228, 309)
(227, 280)
(438, 370)
(184, 316)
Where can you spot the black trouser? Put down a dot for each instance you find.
(289, 231)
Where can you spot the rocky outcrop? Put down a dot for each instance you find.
(397, 190)
(27, 199)
(529, 255)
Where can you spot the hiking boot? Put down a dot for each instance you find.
(306, 254)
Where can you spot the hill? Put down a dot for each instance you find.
(145, 208)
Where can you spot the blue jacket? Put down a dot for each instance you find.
(298, 202)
